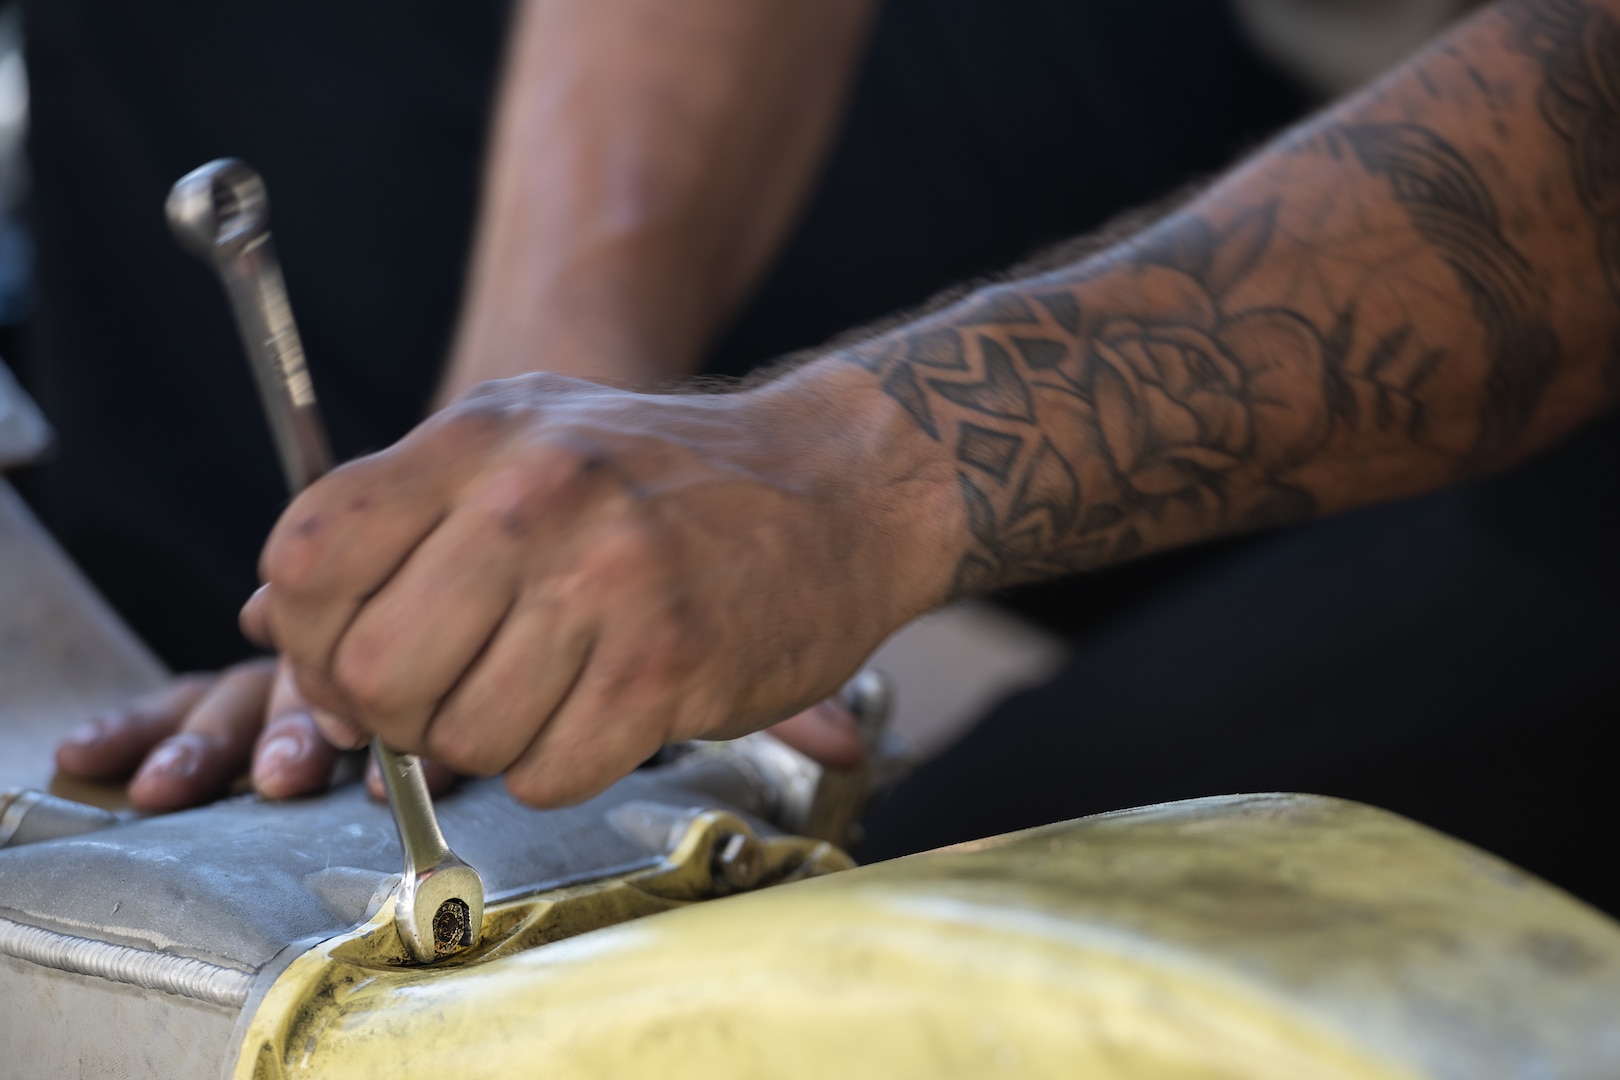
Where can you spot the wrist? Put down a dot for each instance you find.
(894, 485)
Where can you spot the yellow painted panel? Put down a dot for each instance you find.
(1253, 937)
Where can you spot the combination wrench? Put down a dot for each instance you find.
(220, 213)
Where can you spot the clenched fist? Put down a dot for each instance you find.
(551, 579)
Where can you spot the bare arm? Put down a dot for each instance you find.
(647, 160)
(550, 578)
(1419, 285)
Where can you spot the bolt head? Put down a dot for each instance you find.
(738, 861)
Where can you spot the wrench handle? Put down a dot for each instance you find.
(408, 797)
(258, 297)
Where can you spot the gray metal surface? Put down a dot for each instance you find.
(233, 883)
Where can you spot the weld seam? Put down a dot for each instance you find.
(179, 975)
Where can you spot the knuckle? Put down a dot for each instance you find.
(291, 557)
(514, 502)
(360, 673)
(482, 411)
(548, 384)
(314, 689)
(337, 730)
(448, 743)
(631, 552)
(547, 480)
(298, 548)
(523, 388)
(491, 409)
(670, 657)
(659, 665)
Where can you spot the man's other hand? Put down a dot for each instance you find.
(185, 744)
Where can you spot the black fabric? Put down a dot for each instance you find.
(982, 131)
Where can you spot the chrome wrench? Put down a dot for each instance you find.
(220, 213)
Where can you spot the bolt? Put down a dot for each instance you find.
(452, 927)
(738, 861)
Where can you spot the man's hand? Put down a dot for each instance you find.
(187, 742)
(551, 579)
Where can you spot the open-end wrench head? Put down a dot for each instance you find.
(439, 911)
(217, 210)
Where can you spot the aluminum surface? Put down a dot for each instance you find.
(233, 883)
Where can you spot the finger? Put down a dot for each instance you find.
(598, 735)
(292, 757)
(511, 690)
(338, 731)
(111, 745)
(416, 637)
(213, 745)
(440, 778)
(826, 733)
(339, 542)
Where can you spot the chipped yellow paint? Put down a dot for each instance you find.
(1250, 937)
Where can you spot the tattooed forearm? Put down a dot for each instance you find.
(1179, 414)
(1364, 311)
(1450, 207)
(1577, 46)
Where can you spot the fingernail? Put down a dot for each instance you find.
(174, 759)
(278, 752)
(91, 731)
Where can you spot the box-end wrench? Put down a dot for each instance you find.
(221, 214)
